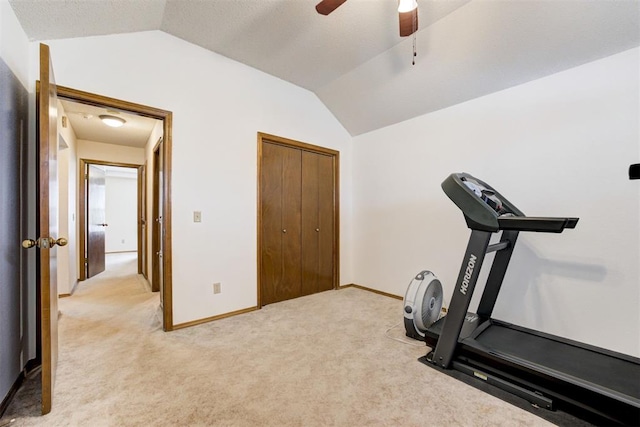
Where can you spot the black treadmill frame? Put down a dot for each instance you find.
(538, 384)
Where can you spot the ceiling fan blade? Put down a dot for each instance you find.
(325, 7)
(408, 22)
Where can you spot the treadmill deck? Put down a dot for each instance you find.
(613, 373)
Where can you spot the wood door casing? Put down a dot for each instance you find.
(96, 219)
(288, 175)
(167, 136)
(48, 225)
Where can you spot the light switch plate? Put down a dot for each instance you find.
(197, 216)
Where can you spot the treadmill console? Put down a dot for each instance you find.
(487, 210)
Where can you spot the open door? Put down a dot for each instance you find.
(96, 219)
(142, 214)
(157, 279)
(47, 226)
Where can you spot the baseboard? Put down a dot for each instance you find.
(212, 318)
(12, 392)
(375, 291)
(146, 283)
(73, 289)
(28, 370)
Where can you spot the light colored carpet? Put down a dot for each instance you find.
(321, 360)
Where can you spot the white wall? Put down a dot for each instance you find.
(14, 44)
(91, 150)
(121, 214)
(558, 146)
(67, 194)
(219, 105)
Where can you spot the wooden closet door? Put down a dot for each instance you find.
(281, 216)
(317, 223)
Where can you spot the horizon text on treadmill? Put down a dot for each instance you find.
(467, 274)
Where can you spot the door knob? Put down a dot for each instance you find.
(44, 242)
(284, 230)
(317, 230)
(29, 243)
(104, 225)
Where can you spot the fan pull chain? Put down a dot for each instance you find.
(415, 28)
(413, 62)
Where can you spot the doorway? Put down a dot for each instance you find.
(105, 227)
(165, 117)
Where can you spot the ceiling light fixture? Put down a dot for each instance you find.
(407, 5)
(114, 122)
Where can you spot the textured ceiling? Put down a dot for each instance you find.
(354, 59)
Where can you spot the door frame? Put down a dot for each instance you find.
(167, 125)
(273, 139)
(83, 195)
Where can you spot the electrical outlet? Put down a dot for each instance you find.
(216, 288)
(197, 216)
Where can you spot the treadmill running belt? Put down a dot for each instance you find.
(607, 371)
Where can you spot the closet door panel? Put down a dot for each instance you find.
(290, 286)
(326, 211)
(310, 223)
(271, 211)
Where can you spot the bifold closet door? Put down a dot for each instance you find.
(281, 222)
(317, 222)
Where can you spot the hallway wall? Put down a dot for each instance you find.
(68, 189)
(121, 213)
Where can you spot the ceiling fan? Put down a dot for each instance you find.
(407, 13)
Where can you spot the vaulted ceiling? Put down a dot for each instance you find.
(354, 59)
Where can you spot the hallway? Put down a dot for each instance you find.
(115, 299)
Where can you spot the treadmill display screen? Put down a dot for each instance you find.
(486, 195)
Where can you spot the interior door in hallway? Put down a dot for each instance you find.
(158, 230)
(96, 219)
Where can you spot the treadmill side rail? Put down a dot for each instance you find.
(533, 397)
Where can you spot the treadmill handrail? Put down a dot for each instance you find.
(539, 224)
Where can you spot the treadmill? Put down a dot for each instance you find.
(551, 372)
